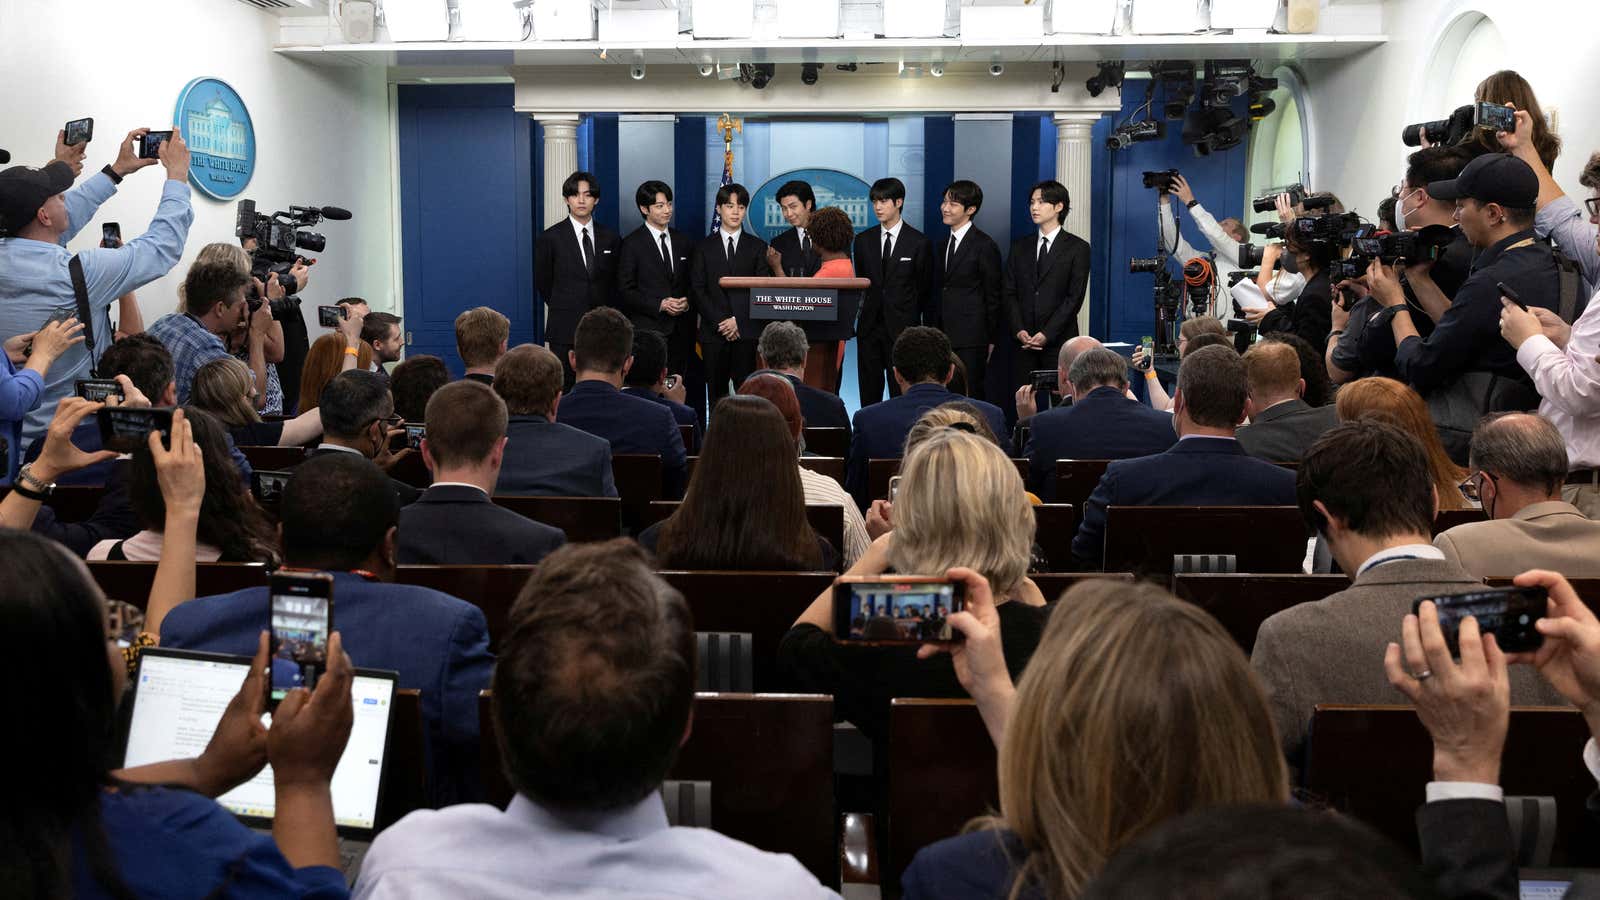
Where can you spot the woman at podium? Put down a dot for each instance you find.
(831, 235)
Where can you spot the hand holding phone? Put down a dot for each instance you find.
(98, 390)
(331, 316)
(906, 610)
(125, 429)
(301, 619)
(1507, 292)
(150, 144)
(1510, 614)
(415, 434)
(78, 131)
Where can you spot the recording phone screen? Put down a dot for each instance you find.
(889, 611)
(180, 696)
(301, 624)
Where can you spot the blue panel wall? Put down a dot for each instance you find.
(605, 166)
(467, 231)
(692, 205)
(939, 145)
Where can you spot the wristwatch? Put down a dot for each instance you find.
(1192, 204)
(31, 487)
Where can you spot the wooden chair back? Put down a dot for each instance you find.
(1054, 526)
(687, 433)
(1053, 584)
(1242, 602)
(71, 502)
(130, 581)
(1076, 479)
(1143, 539)
(274, 458)
(763, 605)
(405, 778)
(827, 441)
(941, 775)
(582, 518)
(831, 466)
(493, 589)
(638, 479)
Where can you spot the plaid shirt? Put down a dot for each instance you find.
(191, 346)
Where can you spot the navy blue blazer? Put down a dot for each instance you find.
(631, 424)
(438, 643)
(455, 525)
(1200, 471)
(548, 459)
(685, 415)
(1102, 425)
(820, 408)
(880, 429)
(976, 864)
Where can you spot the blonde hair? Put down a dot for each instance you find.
(958, 414)
(1393, 402)
(222, 387)
(1135, 708)
(480, 332)
(962, 503)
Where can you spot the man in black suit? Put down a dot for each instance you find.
(358, 417)
(782, 351)
(455, 522)
(574, 265)
(1282, 426)
(898, 261)
(1101, 422)
(653, 275)
(544, 457)
(791, 254)
(1046, 276)
(971, 283)
(1205, 468)
(727, 338)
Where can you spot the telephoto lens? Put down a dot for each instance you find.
(1144, 265)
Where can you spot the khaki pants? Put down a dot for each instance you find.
(1586, 497)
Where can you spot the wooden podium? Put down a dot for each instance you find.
(825, 308)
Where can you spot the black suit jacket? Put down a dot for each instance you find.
(459, 525)
(1283, 433)
(1046, 296)
(643, 280)
(819, 408)
(566, 285)
(1467, 848)
(970, 290)
(1103, 425)
(546, 458)
(899, 289)
(788, 244)
(709, 264)
(407, 494)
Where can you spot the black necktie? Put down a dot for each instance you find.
(730, 252)
(805, 243)
(888, 250)
(1044, 250)
(588, 252)
(666, 253)
(950, 253)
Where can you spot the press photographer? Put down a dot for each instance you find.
(1314, 243)
(1226, 237)
(272, 242)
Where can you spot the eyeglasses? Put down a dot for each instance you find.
(1472, 488)
(1593, 206)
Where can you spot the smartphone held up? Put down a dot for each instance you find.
(301, 618)
(900, 611)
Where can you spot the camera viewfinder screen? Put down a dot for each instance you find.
(889, 611)
(299, 641)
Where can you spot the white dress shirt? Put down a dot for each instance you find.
(957, 235)
(528, 852)
(724, 234)
(1569, 385)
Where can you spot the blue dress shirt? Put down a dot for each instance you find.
(19, 394)
(34, 280)
(191, 346)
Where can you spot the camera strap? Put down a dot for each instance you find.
(80, 290)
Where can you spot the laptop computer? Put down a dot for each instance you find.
(179, 697)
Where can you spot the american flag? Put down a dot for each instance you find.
(727, 179)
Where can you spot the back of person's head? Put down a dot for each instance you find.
(352, 401)
(222, 253)
(1434, 164)
(594, 680)
(745, 507)
(481, 333)
(603, 341)
(466, 422)
(1371, 474)
(1071, 348)
(830, 229)
(922, 353)
(962, 503)
(1206, 339)
(1590, 176)
(335, 512)
(210, 283)
(649, 359)
(413, 382)
(1522, 448)
(1273, 370)
(230, 520)
(224, 387)
(958, 375)
(958, 414)
(1507, 86)
(375, 327)
(324, 361)
(1193, 328)
(1319, 390)
(1393, 402)
(780, 393)
(1260, 852)
(144, 359)
(1098, 368)
(55, 618)
(1214, 387)
(1136, 707)
(528, 379)
(783, 345)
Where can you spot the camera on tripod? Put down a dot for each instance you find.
(1146, 265)
(277, 238)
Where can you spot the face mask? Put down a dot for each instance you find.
(1400, 209)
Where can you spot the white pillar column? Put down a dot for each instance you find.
(1074, 131)
(560, 160)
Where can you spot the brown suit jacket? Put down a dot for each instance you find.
(1551, 535)
(1331, 651)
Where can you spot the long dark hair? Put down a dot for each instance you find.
(230, 520)
(745, 508)
(54, 621)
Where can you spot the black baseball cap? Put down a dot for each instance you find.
(1492, 178)
(24, 189)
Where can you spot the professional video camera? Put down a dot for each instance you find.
(277, 238)
(1269, 201)
(1424, 245)
(1161, 181)
(1132, 133)
(1329, 228)
(1168, 295)
(1239, 275)
(1443, 131)
(1251, 256)
(1200, 279)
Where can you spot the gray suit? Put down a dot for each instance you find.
(548, 459)
(1284, 432)
(1331, 651)
(1551, 535)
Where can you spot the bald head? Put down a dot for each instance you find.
(1071, 349)
(1523, 449)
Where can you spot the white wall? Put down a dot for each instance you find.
(1361, 103)
(322, 134)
